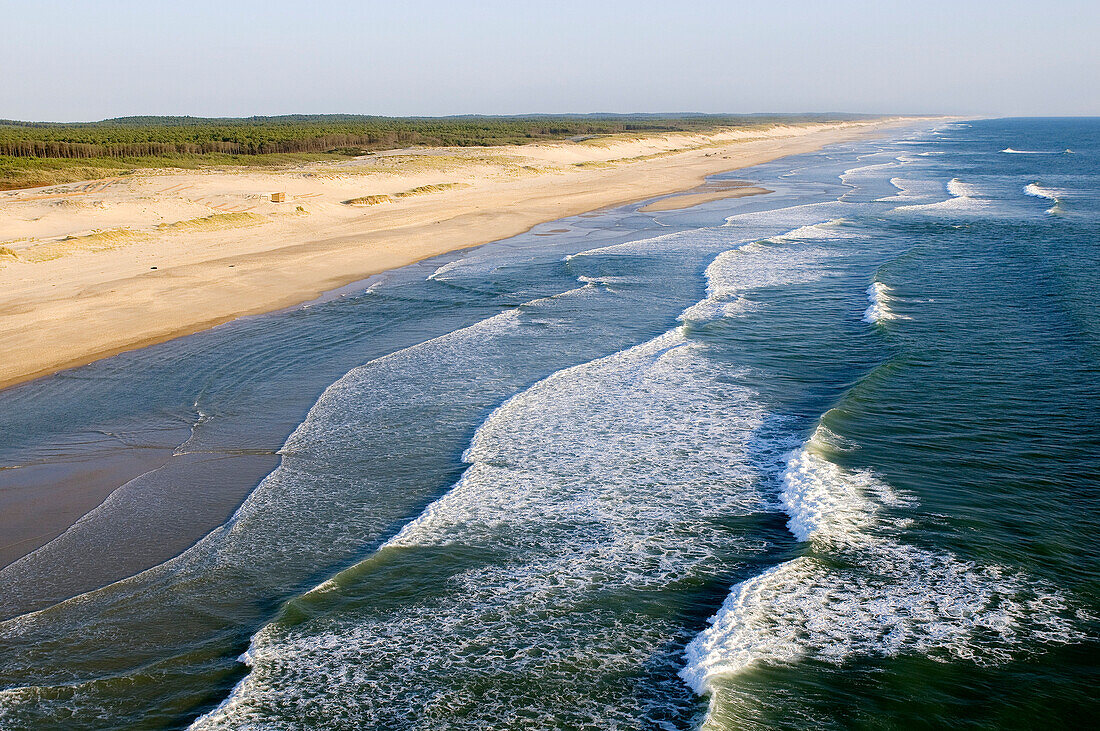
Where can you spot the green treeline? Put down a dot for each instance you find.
(173, 136)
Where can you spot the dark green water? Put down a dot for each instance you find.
(830, 462)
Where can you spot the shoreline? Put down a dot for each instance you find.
(148, 279)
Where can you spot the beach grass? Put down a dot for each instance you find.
(369, 200)
(424, 189)
(116, 238)
(373, 200)
(91, 242)
(215, 222)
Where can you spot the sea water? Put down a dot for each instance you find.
(825, 458)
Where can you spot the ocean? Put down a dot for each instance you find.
(822, 458)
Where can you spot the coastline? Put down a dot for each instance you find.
(121, 266)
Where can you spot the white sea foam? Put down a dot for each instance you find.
(448, 267)
(913, 188)
(718, 308)
(610, 476)
(760, 264)
(767, 263)
(628, 247)
(607, 478)
(1010, 151)
(868, 168)
(615, 476)
(727, 235)
(959, 189)
(828, 504)
(964, 197)
(883, 597)
(864, 169)
(1034, 189)
(1051, 194)
(879, 295)
(792, 218)
(310, 511)
(830, 229)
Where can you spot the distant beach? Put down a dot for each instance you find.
(88, 270)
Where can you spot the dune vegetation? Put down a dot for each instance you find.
(94, 241)
(369, 200)
(373, 200)
(215, 222)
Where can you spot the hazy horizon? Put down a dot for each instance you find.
(70, 61)
(683, 114)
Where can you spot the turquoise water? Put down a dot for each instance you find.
(823, 458)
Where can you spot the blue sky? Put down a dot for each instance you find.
(89, 60)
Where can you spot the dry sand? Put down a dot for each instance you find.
(88, 270)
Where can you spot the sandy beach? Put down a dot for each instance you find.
(88, 270)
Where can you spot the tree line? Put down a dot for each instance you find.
(170, 136)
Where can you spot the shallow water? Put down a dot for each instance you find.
(822, 458)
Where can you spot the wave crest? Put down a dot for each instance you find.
(964, 197)
(1051, 194)
(864, 592)
(879, 295)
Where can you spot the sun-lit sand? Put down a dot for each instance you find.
(88, 270)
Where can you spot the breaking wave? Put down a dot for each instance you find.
(605, 480)
(602, 480)
(1050, 194)
(879, 295)
(766, 263)
(861, 590)
(964, 197)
